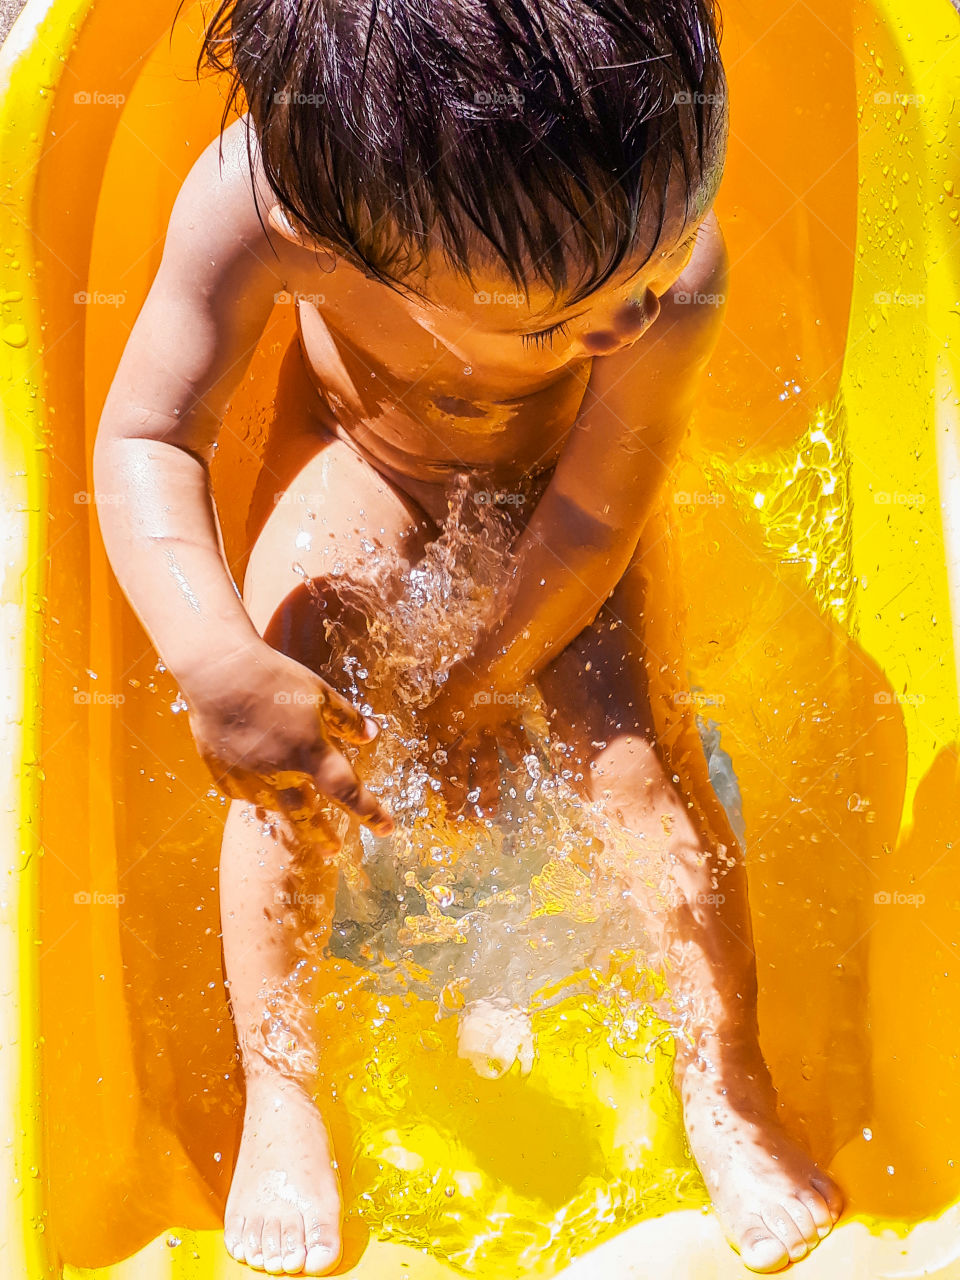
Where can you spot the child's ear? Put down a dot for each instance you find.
(280, 223)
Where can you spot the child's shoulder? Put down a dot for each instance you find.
(692, 309)
(218, 193)
(687, 326)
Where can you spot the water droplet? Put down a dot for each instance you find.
(14, 335)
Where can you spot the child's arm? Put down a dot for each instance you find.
(208, 305)
(586, 526)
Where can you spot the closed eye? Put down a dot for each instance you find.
(544, 337)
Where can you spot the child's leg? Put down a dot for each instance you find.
(283, 1209)
(612, 696)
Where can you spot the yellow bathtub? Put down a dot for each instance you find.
(818, 538)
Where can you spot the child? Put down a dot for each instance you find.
(496, 218)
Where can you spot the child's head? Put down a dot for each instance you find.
(549, 143)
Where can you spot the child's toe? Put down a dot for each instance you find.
(783, 1228)
(320, 1259)
(294, 1246)
(818, 1209)
(323, 1248)
(831, 1194)
(233, 1237)
(801, 1215)
(253, 1241)
(270, 1243)
(760, 1249)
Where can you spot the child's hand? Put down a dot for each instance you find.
(466, 729)
(263, 724)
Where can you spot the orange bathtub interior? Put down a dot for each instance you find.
(819, 588)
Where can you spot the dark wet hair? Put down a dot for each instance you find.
(532, 133)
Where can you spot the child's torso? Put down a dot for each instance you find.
(408, 402)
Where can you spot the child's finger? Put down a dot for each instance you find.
(333, 777)
(241, 784)
(300, 807)
(343, 720)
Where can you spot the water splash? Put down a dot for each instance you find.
(539, 912)
(802, 496)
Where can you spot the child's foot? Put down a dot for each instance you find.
(494, 1034)
(774, 1203)
(283, 1210)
